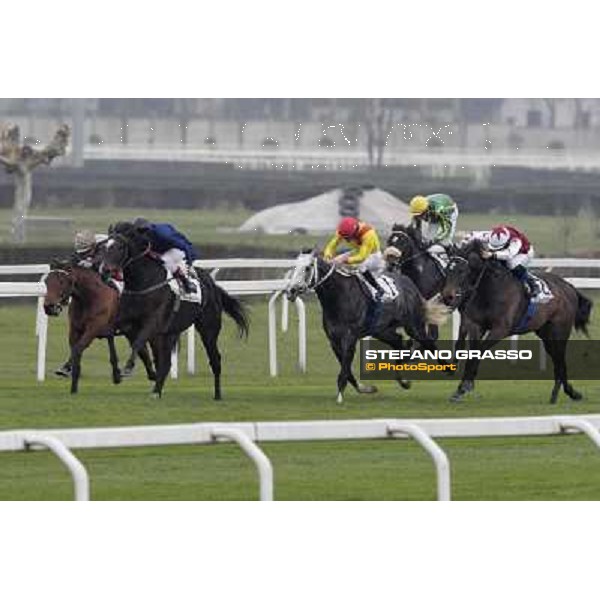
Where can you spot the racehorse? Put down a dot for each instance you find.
(93, 313)
(345, 301)
(150, 310)
(406, 250)
(497, 304)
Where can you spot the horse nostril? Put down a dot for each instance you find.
(449, 297)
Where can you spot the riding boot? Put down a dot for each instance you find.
(532, 285)
(185, 283)
(379, 291)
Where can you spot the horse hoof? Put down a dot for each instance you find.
(217, 398)
(576, 396)
(366, 389)
(61, 372)
(155, 395)
(340, 398)
(405, 384)
(456, 397)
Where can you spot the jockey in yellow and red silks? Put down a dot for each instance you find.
(365, 253)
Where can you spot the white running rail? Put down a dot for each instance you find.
(248, 434)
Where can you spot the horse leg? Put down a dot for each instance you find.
(147, 360)
(114, 360)
(76, 351)
(394, 339)
(210, 336)
(162, 346)
(347, 350)
(556, 348)
(139, 341)
(66, 368)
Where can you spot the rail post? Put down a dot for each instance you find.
(81, 481)
(440, 460)
(254, 453)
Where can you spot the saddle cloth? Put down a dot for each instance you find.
(196, 297)
(387, 285)
(545, 295)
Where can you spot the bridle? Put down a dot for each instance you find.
(124, 240)
(314, 281)
(63, 299)
(469, 291)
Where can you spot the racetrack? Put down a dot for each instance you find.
(535, 468)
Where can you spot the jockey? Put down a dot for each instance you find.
(176, 251)
(440, 213)
(366, 250)
(511, 246)
(87, 254)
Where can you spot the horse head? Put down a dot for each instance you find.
(125, 243)
(302, 275)
(59, 287)
(462, 273)
(403, 244)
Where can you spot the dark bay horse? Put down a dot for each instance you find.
(495, 301)
(151, 312)
(345, 303)
(93, 313)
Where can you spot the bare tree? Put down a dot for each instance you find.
(20, 160)
(378, 118)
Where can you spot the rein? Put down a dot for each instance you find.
(472, 289)
(121, 238)
(64, 298)
(315, 275)
(152, 288)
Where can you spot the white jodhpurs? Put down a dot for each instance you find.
(174, 260)
(520, 260)
(374, 263)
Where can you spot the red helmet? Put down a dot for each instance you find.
(347, 227)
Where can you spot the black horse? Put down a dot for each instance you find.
(345, 301)
(407, 251)
(495, 302)
(151, 311)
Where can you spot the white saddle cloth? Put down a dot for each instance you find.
(387, 285)
(196, 297)
(545, 295)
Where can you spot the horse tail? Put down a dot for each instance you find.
(582, 316)
(436, 312)
(236, 310)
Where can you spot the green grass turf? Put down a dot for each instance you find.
(494, 468)
(551, 235)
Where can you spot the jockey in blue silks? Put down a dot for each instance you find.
(175, 250)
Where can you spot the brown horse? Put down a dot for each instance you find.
(93, 313)
(496, 304)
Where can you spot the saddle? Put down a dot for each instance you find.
(541, 294)
(180, 294)
(390, 291)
